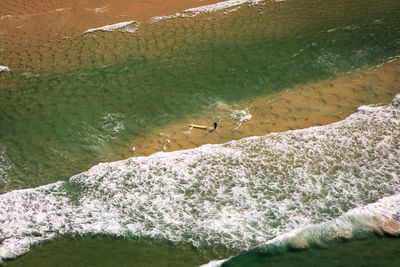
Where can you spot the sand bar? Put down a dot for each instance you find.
(46, 20)
(313, 104)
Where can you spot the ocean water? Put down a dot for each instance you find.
(238, 195)
(58, 124)
(55, 125)
(371, 251)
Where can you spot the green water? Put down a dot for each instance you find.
(59, 124)
(98, 251)
(375, 251)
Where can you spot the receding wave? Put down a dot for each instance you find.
(238, 195)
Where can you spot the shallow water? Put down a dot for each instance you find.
(63, 112)
(236, 195)
(312, 104)
(57, 125)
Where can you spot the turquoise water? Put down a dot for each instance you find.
(215, 200)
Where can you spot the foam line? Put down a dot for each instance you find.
(110, 28)
(192, 12)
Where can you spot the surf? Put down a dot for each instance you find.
(239, 195)
(376, 219)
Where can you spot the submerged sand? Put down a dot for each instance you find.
(38, 20)
(313, 104)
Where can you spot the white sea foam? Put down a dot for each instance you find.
(6, 16)
(110, 28)
(134, 27)
(221, 5)
(381, 217)
(106, 129)
(240, 116)
(231, 10)
(214, 263)
(112, 122)
(346, 28)
(99, 10)
(192, 12)
(329, 62)
(59, 10)
(239, 195)
(4, 68)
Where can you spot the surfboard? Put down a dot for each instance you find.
(198, 126)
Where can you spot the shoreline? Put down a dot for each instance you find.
(303, 106)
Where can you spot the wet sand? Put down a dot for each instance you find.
(314, 104)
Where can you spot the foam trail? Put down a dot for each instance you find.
(238, 195)
(241, 116)
(110, 28)
(4, 68)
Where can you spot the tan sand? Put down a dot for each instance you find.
(314, 104)
(48, 36)
(39, 21)
(36, 37)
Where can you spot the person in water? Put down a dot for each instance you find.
(215, 127)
